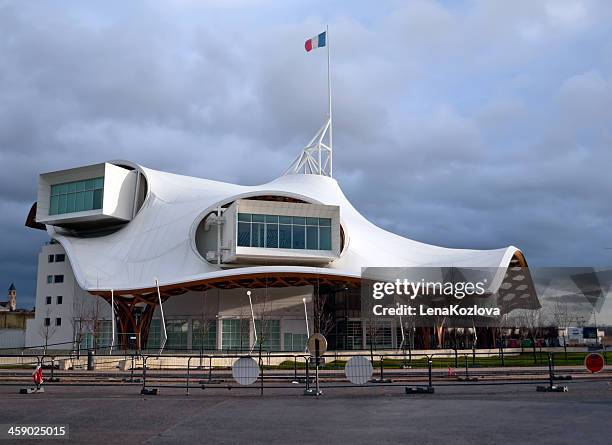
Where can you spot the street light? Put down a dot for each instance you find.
(252, 318)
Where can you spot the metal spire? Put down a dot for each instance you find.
(317, 156)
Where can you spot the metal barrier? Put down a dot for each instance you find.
(422, 371)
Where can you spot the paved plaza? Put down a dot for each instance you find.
(453, 415)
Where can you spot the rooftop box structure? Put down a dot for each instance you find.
(100, 192)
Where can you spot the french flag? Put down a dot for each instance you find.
(315, 42)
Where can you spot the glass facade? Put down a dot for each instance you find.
(154, 334)
(177, 331)
(76, 196)
(204, 334)
(235, 334)
(380, 332)
(268, 334)
(284, 232)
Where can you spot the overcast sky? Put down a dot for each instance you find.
(474, 124)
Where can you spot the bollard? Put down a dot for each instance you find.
(90, 360)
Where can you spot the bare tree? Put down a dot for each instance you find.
(532, 320)
(78, 321)
(323, 320)
(204, 323)
(92, 320)
(47, 329)
(562, 318)
(263, 312)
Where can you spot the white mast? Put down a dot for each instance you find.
(329, 100)
(316, 157)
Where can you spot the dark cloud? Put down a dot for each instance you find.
(478, 125)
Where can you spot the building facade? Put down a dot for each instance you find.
(189, 263)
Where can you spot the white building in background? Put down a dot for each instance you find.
(119, 229)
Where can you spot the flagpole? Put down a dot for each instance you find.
(329, 100)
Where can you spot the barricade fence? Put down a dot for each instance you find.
(266, 370)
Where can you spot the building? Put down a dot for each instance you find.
(13, 322)
(11, 303)
(180, 253)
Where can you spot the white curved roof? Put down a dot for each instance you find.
(159, 241)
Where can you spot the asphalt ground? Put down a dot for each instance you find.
(465, 414)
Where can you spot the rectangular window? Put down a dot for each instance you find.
(58, 278)
(244, 234)
(284, 236)
(48, 300)
(49, 279)
(47, 321)
(312, 237)
(235, 334)
(354, 339)
(104, 333)
(51, 258)
(268, 334)
(204, 334)
(325, 238)
(60, 258)
(153, 341)
(379, 333)
(76, 196)
(58, 321)
(299, 237)
(271, 235)
(295, 342)
(285, 232)
(60, 299)
(177, 331)
(258, 235)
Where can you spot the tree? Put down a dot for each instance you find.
(532, 320)
(205, 322)
(323, 320)
(562, 318)
(47, 329)
(78, 321)
(92, 320)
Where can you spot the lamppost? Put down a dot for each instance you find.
(252, 318)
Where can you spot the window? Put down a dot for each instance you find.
(60, 299)
(60, 258)
(51, 258)
(104, 337)
(153, 341)
(177, 334)
(47, 321)
(285, 232)
(268, 334)
(58, 278)
(204, 334)
(47, 300)
(58, 321)
(49, 279)
(380, 333)
(235, 334)
(76, 196)
(349, 335)
(295, 342)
